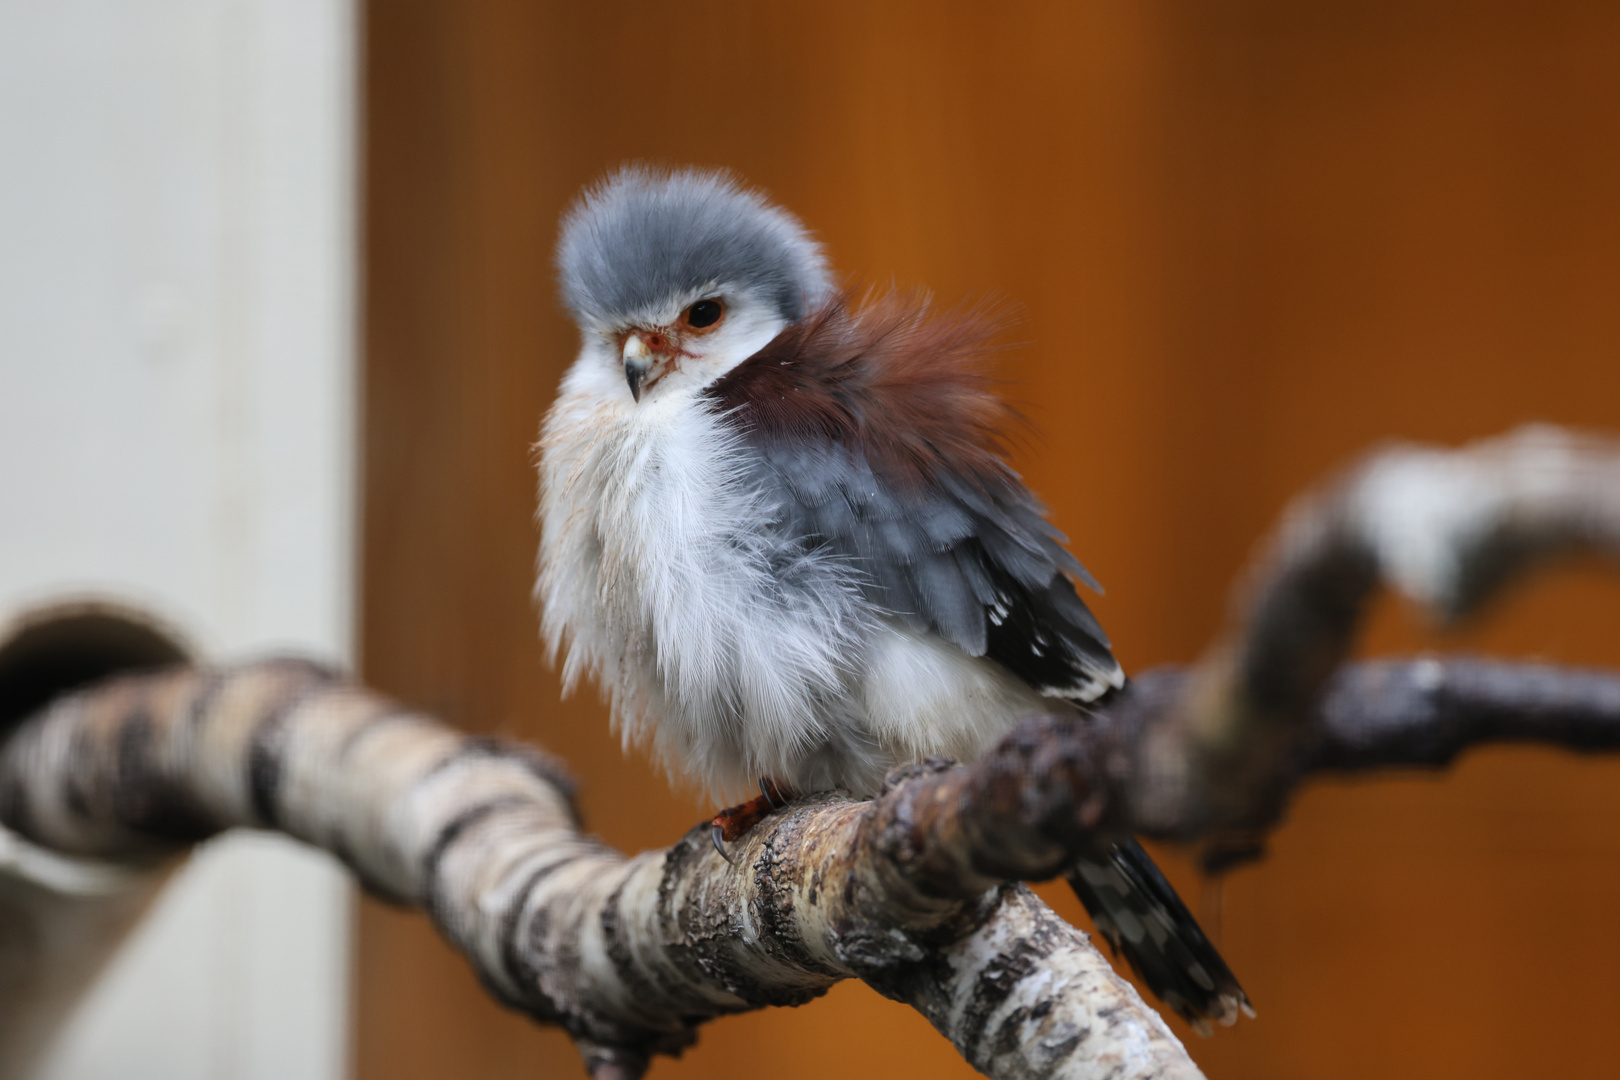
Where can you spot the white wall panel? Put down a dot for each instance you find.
(177, 379)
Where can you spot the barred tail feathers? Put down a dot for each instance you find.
(1139, 914)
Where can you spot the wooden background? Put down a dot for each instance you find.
(1247, 239)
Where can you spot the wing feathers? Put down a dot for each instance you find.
(951, 606)
(879, 438)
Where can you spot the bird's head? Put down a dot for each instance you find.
(677, 277)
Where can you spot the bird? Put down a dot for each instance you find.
(778, 528)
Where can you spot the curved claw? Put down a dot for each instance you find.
(775, 795)
(717, 833)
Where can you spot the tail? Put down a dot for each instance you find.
(1140, 915)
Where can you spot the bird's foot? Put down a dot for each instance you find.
(731, 824)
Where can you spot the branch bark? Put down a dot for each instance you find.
(1448, 529)
(907, 891)
(913, 891)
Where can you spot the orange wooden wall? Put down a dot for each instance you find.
(1247, 240)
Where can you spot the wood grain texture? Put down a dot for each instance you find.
(1247, 239)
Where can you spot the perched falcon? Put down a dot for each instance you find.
(781, 533)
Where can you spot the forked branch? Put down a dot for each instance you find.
(1219, 753)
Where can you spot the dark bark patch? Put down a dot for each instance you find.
(703, 940)
(145, 798)
(448, 834)
(775, 873)
(80, 784)
(534, 761)
(1044, 1051)
(267, 744)
(625, 965)
(515, 949)
(994, 983)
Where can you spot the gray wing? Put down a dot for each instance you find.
(974, 561)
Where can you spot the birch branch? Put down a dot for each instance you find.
(910, 891)
(628, 954)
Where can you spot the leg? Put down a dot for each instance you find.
(730, 824)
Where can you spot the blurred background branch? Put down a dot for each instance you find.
(1449, 530)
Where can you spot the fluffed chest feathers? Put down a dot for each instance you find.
(718, 640)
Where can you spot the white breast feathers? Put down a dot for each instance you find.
(729, 650)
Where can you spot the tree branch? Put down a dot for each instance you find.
(1382, 714)
(1449, 529)
(909, 891)
(629, 954)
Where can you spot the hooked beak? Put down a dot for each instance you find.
(638, 363)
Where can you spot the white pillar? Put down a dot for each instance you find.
(177, 384)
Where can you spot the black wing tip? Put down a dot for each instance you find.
(1094, 690)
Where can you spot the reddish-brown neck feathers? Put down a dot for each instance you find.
(904, 386)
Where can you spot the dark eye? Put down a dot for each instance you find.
(704, 313)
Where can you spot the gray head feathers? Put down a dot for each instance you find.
(645, 236)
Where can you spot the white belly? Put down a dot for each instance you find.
(727, 655)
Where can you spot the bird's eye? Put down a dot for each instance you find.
(704, 314)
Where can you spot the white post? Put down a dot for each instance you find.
(177, 382)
